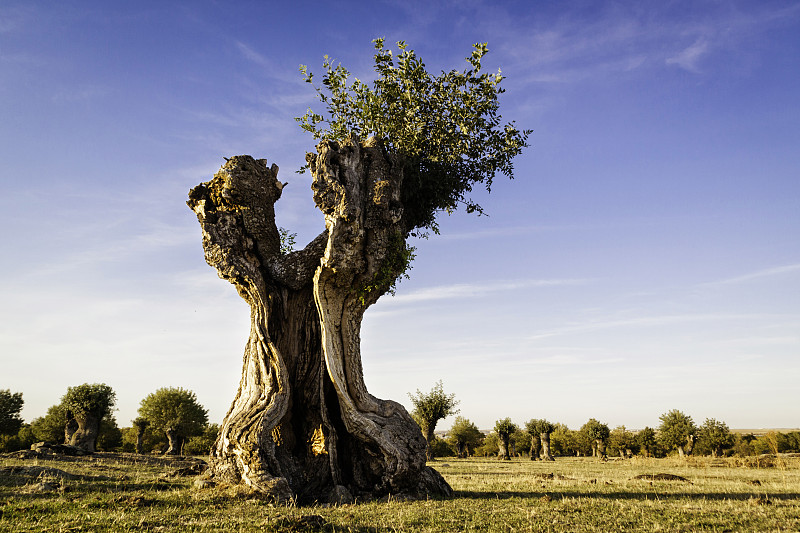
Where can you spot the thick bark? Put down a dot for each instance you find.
(302, 424)
(175, 441)
(82, 431)
(429, 436)
(545, 454)
(503, 447)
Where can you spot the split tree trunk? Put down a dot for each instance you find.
(503, 448)
(302, 424)
(535, 447)
(175, 440)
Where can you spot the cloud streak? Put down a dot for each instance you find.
(759, 274)
(475, 290)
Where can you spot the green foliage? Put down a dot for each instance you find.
(564, 441)
(110, 436)
(521, 440)
(97, 400)
(596, 430)
(10, 407)
(490, 445)
(466, 434)
(174, 409)
(394, 267)
(202, 444)
(446, 128)
(431, 407)
(620, 440)
(505, 427)
(675, 428)
(537, 426)
(647, 442)
(50, 428)
(288, 240)
(713, 437)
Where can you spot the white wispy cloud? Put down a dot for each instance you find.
(759, 274)
(689, 58)
(473, 290)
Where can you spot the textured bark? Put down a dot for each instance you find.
(545, 453)
(175, 440)
(83, 431)
(302, 424)
(503, 448)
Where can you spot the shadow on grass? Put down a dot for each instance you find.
(627, 495)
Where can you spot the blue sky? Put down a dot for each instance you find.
(645, 258)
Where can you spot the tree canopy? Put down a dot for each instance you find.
(174, 409)
(675, 428)
(465, 436)
(446, 128)
(431, 407)
(96, 400)
(10, 406)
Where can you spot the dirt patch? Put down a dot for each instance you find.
(661, 477)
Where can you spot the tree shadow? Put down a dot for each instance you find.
(626, 495)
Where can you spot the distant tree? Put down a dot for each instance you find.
(110, 436)
(431, 407)
(677, 431)
(504, 428)
(176, 412)
(202, 444)
(597, 433)
(540, 431)
(713, 436)
(50, 428)
(564, 441)
(621, 442)
(86, 405)
(646, 441)
(10, 407)
(520, 441)
(464, 436)
(139, 426)
(490, 446)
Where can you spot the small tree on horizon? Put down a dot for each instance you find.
(597, 433)
(86, 405)
(464, 436)
(504, 429)
(646, 441)
(715, 435)
(677, 432)
(176, 412)
(431, 407)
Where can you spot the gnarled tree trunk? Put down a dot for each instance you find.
(82, 431)
(545, 454)
(303, 424)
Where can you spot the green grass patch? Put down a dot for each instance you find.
(117, 492)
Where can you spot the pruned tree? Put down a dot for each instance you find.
(540, 431)
(176, 412)
(10, 407)
(464, 436)
(389, 160)
(504, 429)
(429, 408)
(677, 432)
(597, 433)
(715, 435)
(85, 406)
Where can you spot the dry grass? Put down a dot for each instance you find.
(571, 494)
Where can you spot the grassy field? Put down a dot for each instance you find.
(113, 492)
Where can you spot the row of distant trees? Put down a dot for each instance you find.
(541, 439)
(170, 420)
